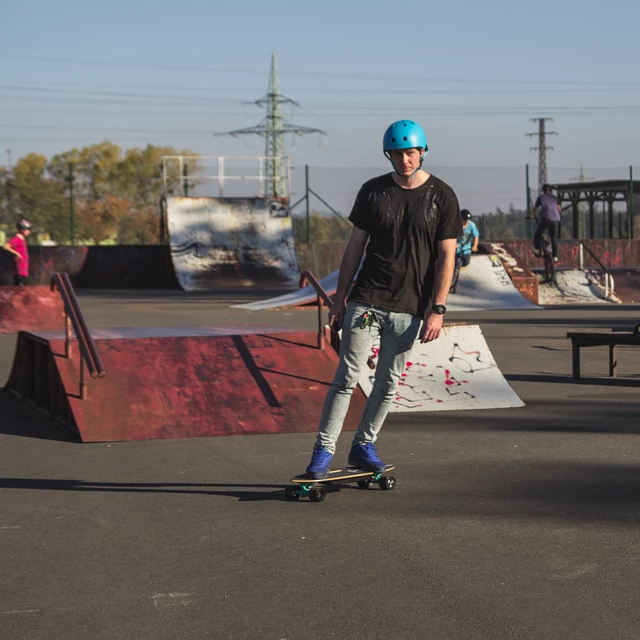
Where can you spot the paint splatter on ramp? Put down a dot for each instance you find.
(453, 373)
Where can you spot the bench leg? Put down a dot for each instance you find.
(613, 360)
(576, 360)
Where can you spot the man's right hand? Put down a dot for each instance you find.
(336, 315)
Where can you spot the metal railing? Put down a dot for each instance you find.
(272, 173)
(608, 278)
(89, 356)
(322, 297)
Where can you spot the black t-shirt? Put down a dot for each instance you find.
(404, 227)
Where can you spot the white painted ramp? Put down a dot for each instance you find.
(485, 284)
(295, 298)
(231, 243)
(453, 373)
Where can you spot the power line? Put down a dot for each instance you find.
(363, 76)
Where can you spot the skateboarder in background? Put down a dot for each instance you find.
(18, 247)
(409, 221)
(468, 241)
(547, 204)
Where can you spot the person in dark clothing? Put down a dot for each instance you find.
(547, 204)
(408, 220)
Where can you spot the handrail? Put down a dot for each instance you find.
(307, 275)
(608, 278)
(89, 355)
(322, 296)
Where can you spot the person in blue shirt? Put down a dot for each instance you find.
(468, 242)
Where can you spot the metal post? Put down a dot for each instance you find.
(306, 197)
(320, 327)
(67, 335)
(528, 196)
(581, 263)
(72, 222)
(83, 384)
(630, 206)
(186, 179)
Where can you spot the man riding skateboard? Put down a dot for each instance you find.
(408, 220)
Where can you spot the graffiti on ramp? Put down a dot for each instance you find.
(231, 243)
(455, 372)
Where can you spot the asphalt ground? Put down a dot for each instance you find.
(513, 523)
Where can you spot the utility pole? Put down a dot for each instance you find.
(273, 127)
(541, 148)
(9, 155)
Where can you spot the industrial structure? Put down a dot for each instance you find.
(274, 127)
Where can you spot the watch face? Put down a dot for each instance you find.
(439, 308)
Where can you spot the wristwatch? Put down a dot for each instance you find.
(440, 309)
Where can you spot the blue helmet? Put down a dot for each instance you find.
(404, 134)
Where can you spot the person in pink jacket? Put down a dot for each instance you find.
(18, 247)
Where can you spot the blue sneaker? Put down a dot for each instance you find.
(320, 462)
(365, 457)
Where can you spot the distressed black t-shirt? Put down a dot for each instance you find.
(404, 227)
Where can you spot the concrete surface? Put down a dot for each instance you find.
(514, 523)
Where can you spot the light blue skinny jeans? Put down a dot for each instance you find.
(397, 333)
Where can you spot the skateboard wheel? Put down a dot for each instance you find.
(387, 483)
(291, 492)
(364, 484)
(317, 495)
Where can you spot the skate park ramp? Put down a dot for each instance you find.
(485, 284)
(24, 308)
(298, 298)
(181, 382)
(230, 243)
(453, 373)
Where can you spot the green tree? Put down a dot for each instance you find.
(141, 175)
(38, 197)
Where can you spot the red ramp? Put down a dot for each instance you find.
(182, 382)
(30, 308)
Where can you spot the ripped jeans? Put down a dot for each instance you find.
(397, 333)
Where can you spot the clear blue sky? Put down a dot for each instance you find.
(73, 73)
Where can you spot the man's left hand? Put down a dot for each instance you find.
(431, 327)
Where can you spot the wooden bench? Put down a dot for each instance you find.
(581, 339)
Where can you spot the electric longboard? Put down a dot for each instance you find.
(313, 489)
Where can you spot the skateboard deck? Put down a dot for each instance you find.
(310, 488)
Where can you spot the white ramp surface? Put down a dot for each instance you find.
(453, 373)
(231, 243)
(485, 284)
(298, 298)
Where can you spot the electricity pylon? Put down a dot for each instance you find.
(541, 148)
(273, 127)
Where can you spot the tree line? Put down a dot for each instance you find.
(114, 194)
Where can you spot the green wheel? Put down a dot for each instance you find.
(291, 492)
(317, 494)
(387, 483)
